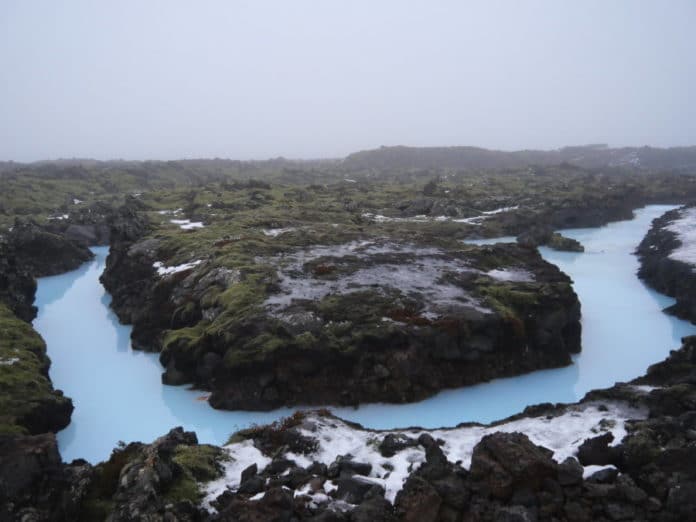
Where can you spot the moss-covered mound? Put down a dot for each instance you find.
(28, 402)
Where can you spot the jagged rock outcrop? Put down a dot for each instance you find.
(35, 485)
(128, 273)
(544, 235)
(668, 273)
(150, 482)
(43, 253)
(17, 284)
(86, 225)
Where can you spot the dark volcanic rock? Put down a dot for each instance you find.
(43, 253)
(504, 462)
(35, 485)
(667, 275)
(88, 226)
(596, 451)
(152, 473)
(17, 284)
(539, 235)
(365, 343)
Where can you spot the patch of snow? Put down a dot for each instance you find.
(166, 212)
(187, 224)
(168, 270)
(76, 201)
(516, 275)
(9, 362)
(379, 218)
(594, 468)
(474, 220)
(644, 388)
(349, 180)
(61, 217)
(500, 210)
(685, 229)
(562, 434)
(240, 456)
(275, 232)
(420, 271)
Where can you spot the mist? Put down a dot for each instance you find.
(308, 79)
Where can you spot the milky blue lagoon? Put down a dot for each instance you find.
(118, 395)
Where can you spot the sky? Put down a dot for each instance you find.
(170, 79)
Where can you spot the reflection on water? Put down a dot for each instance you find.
(118, 394)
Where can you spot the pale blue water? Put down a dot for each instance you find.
(118, 395)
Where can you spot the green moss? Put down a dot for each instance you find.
(201, 461)
(254, 350)
(98, 502)
(243, 295)
(25, 388)
(305, 341)
(183, 340)
(510, 297)
(199, 464)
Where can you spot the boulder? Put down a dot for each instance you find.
(502, 462)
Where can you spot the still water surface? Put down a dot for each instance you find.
(118, 395)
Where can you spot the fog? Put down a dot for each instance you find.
(256, 79)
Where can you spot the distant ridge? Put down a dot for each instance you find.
(587, 156)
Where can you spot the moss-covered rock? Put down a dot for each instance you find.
(28, 402)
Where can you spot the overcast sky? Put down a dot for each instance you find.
(171, 79)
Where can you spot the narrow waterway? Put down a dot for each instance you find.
(118, 395)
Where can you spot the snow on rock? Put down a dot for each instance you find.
(165, 212)
(500, 210)
(421, 218)
(239, 456)
(275, 232)
(187, 224)
(168, 270)
(422, 274)
(516, 275)
(593, 468)
(61, 217)
(685, 230)
(379, 218)
(562, 434)
(76, 201)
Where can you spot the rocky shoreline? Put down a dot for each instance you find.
(666, 263)
(624, 453)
